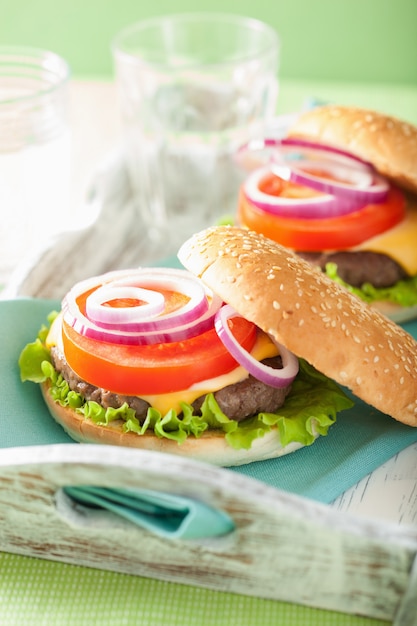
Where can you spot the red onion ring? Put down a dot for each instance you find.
(287, 144)
(289, 159)
(115, 316)
(273, 377)
(187, 322)
(357, 176)
(311, 208)
(174, 280)
(367, 189)
(323, 147)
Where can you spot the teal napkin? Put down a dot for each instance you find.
(361, 440)
(165, 514)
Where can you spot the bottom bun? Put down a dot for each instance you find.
(211, 447)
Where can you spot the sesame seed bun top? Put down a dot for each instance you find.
(311, 315)
(389, 143)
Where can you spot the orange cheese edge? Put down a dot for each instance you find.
(400, 243)
(263, 348)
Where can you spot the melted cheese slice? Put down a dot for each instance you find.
(400, 242)
(262, 349)
(54, 337)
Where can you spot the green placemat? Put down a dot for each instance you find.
(44, 593)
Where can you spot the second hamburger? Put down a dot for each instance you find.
(345, 198)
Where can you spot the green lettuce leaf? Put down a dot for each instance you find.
(34, 354)
(403, 293)
(310, 407)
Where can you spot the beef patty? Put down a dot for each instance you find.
(357, 268)
(237, 401)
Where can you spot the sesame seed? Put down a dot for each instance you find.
(276, 305)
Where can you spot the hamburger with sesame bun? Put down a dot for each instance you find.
(341, 191)
(236, 381)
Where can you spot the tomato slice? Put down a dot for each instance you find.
(153, 369)
(335, 233)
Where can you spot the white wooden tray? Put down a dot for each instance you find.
(283, 547)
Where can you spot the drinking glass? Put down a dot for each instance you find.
(193, 88)
(34, 152)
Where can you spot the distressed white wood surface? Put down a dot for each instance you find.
(284, 547)
(389, 493)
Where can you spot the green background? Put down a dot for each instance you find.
(344, 40)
